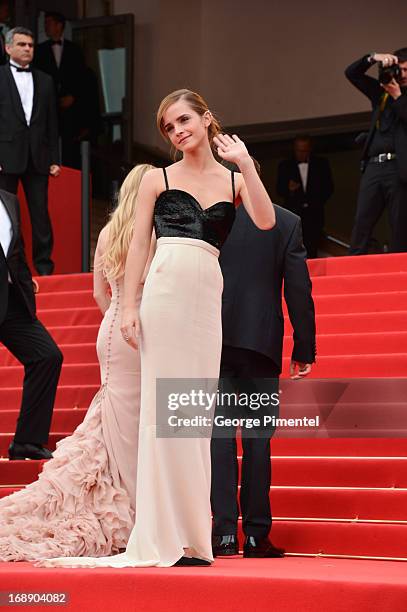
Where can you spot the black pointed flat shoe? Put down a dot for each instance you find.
(191, 562)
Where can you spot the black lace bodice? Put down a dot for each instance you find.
(177, 213)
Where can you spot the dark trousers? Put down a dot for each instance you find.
(255, 508)
(312, 220)
(380, 187)
(36, 192)
(31, 344)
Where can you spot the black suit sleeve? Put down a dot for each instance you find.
(298, 297)
(400, 106)
(355, 73)
(52, 126)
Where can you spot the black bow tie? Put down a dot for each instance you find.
(56, 42)
(28, 69)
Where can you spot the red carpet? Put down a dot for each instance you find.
(235, 585)
(340, 497)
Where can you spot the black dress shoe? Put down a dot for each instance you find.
(190, 562)
(28, 451)
(259, 548)
(225, 546)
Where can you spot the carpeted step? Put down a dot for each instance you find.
(338, 447)
(65, 299)
(5, 491)
(68, 396)
(362, 302)
(351, 366)
(62, 420)
(6, 438)
(360, 264)
(340, 538)
(57, 317)
(345, 323)
(73, 353)
(356, 343)
(19, 472)
(74, 334)
(354, 284)
(339, 503)
(327, 344)
(339, 471)
(282, 585)
(65, 282)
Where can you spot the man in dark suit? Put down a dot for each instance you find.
(63, 61)
(26, 338)
(28, 138)
(254, 265)
(384, 157)
(305, 183)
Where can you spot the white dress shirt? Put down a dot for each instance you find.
(57, 51)
(25, 85)
(303, 169)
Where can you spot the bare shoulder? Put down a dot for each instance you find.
(103, 238)
(152, 182)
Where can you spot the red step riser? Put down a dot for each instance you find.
(363, 283)
(360, 303)
(65, 299)
(334, 538)
(59, 317)
(6, 438)
(335, 504)
(74, 335)
(331, 345)
(73, 353)
(337, 447)
(353, 366)
(74, 396)
(62, 420)
(361, 264)
(340, 472)
(19, 472)
(305, 472)
(351, 504)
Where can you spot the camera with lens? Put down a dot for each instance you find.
(387, 73)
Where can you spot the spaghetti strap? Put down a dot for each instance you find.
(165, 178)
(233, 185)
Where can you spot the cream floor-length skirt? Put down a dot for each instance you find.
(181, 337)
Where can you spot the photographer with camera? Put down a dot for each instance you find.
(384, 158)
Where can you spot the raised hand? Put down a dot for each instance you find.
(392, 88)
(231, 148)
(387, 59)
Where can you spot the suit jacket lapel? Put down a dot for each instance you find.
(13, 214)
(15, 96)
(298, 175)
(36, 96)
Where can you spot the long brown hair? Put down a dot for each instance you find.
(197, 103)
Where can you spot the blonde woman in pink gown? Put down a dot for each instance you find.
(83, 502)
(178, 325)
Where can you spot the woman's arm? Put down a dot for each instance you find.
(138, 255)
(100, 285)
(250, 189)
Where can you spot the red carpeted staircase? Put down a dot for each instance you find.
(341, 497)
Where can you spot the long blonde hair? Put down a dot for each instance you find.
(197, 103)
(121, 223)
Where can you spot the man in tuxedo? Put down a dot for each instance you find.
(26, 338)
(254, 264)
(305, 183)
(28, 139)
(384, 158)
(63, 61)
